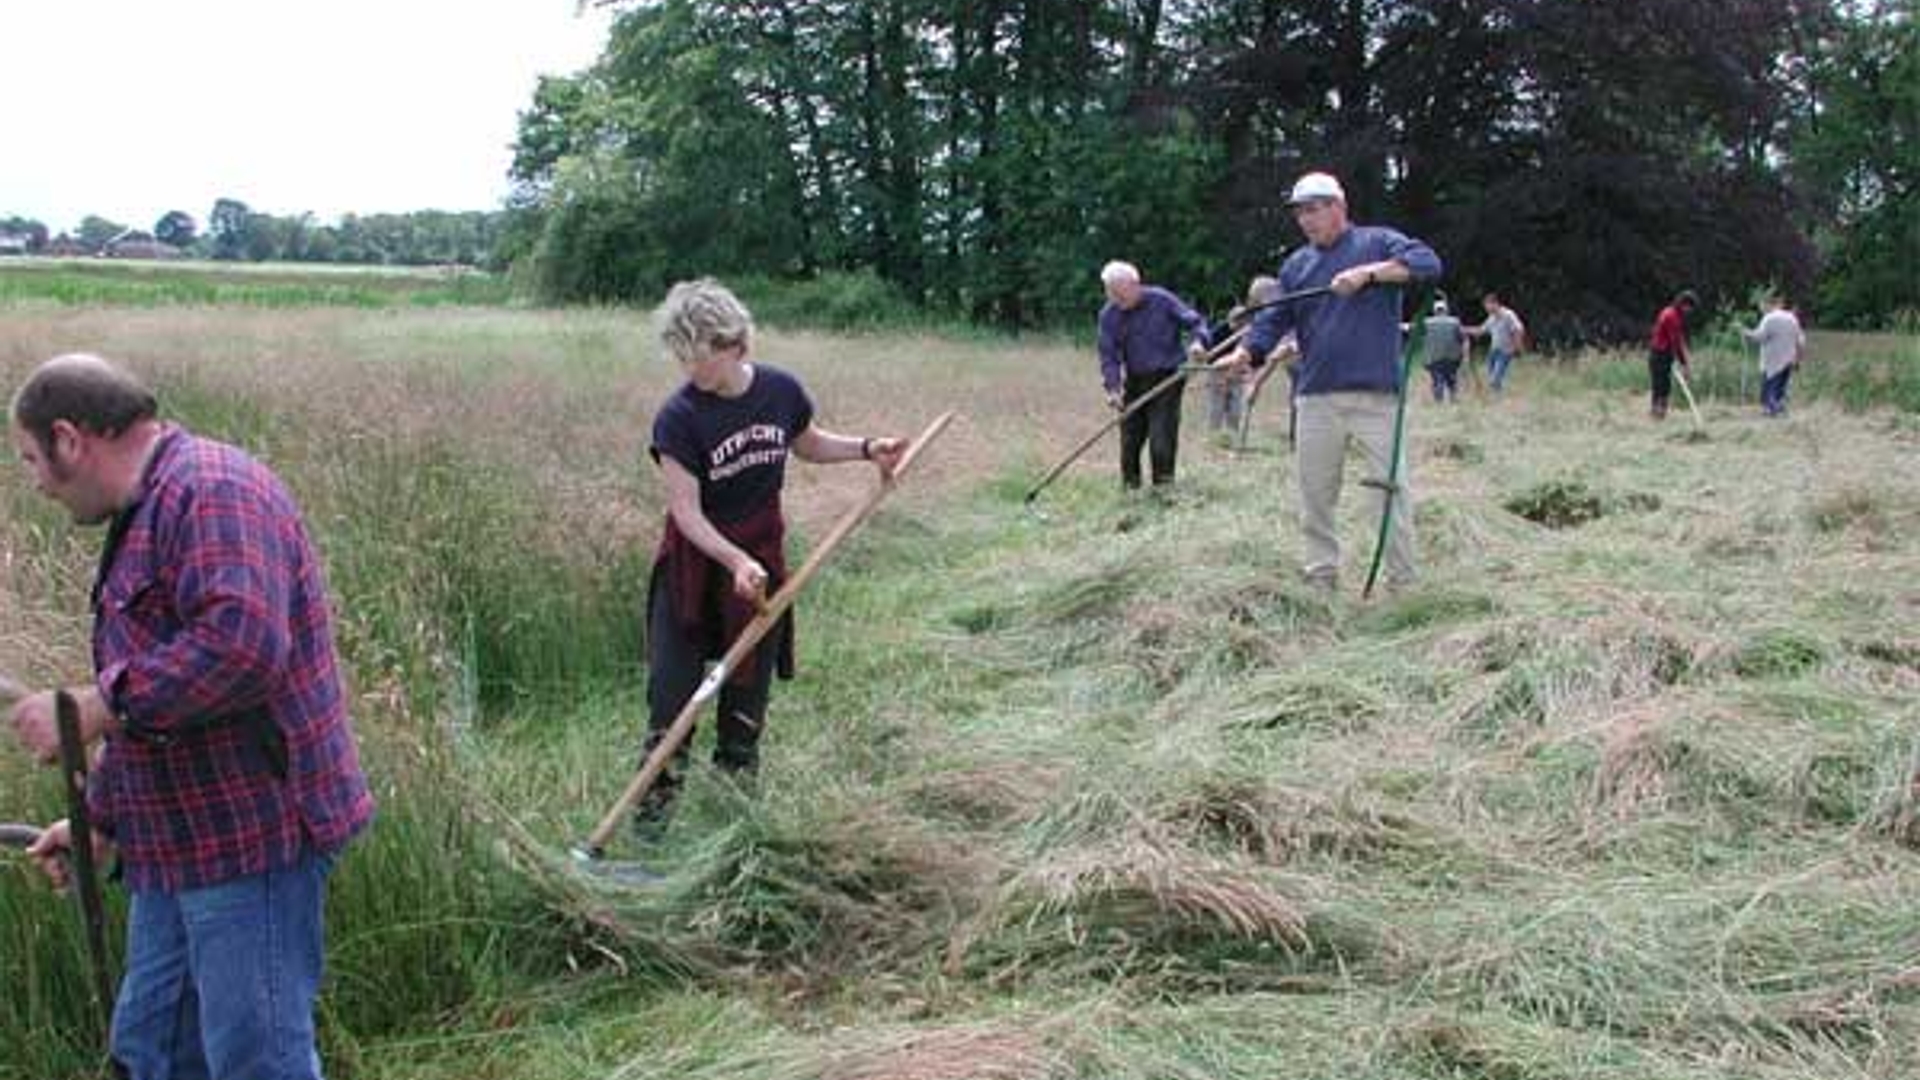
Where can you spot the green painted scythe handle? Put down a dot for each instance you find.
(1390, 487)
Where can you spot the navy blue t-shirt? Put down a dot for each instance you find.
(736, 447)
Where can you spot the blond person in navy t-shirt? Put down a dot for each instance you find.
(722, 442)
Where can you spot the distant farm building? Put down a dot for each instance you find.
(135, 244)
(66, 247)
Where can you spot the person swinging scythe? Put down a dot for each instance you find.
(1350, 384)
(723, 441)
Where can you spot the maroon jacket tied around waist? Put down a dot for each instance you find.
(700, 591)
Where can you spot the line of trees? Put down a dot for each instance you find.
(236, 232)
(983, 157)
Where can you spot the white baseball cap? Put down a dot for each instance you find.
(1316, 185)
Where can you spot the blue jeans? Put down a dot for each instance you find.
(1773, 392)
(1498, 360)
(221, 981)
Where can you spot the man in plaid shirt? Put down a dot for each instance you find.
(229, 780)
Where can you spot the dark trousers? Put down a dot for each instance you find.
(1156, 427)
(675, 666)
(1773, 392)
(1660, 375)
(1446, 379)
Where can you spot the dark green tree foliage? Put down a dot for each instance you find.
(230, 225)
(31, 229)
(985, 157)
(176, 227)
(422, 238)
(678, 171)
(95, 231)
(1857, 158)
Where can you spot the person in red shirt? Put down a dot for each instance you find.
(1668, 347)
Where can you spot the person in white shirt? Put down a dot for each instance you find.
(1506, 337)
(1783, 344)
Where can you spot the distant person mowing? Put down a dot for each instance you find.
(1506, 337)
(1142, 328)
(1783, 345)
(1444, 346)
(1226, 391)
(1668, 347)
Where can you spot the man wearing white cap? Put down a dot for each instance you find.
(1349, 379)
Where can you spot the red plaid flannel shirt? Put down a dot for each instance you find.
(213, 644)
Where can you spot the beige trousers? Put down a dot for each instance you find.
(1327, 422)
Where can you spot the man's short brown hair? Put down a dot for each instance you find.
(94, 395)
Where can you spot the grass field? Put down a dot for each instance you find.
(111, 282)
(1091, 789)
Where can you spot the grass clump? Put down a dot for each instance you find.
(1277, 825)
(1849, 507)
(1557, 504)
(1136, 905)
(1288, 700)
(1778, 654)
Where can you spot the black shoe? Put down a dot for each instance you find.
(651, 818)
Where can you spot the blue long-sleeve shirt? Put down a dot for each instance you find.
(1346, 342)
(1147, 337)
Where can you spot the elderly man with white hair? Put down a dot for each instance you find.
(1349, 382)
(1141, 331)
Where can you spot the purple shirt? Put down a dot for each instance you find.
(1346, 342)
(213, 644)
(1146, 338)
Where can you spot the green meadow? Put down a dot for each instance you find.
(1627, 788)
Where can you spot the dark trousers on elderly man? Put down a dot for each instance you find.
(1156, 427)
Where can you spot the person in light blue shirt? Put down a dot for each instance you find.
(1505, 335)
(1142, 328)
(1349, 379)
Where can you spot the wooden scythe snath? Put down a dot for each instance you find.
(86, 876)
(1680, 376)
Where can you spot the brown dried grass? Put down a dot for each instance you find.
(969, 1052)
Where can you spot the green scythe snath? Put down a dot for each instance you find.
(1416, 340)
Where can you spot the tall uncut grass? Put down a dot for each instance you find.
(87, 283)
(1626, 788)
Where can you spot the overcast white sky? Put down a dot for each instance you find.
(131, 108)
